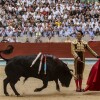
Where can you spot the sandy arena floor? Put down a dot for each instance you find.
(27, 90)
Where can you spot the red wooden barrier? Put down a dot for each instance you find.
(61, 50)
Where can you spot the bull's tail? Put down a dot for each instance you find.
(8, 50)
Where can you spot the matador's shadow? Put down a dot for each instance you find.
(96, 93)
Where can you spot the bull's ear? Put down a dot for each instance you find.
(71, 70)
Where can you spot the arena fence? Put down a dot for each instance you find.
(60, 50)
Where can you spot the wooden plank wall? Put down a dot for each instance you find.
(61, 50)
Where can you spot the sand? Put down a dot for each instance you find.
(50, 93)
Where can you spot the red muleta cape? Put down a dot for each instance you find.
(93, 82)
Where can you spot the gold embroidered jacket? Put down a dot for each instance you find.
(80, 47)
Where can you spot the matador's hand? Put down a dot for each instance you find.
(79, 59)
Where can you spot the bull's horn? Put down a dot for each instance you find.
(73, 74)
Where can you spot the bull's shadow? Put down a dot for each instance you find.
(54, 94)
(49, 95)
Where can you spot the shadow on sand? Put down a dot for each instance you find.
(96, 93)
(38, 95)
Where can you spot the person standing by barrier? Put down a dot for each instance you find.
(78, 48)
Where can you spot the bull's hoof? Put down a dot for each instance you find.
(37, 90)
(58, 89)
(6, 94)
(17, 94)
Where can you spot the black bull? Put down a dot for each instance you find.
(19, 66)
